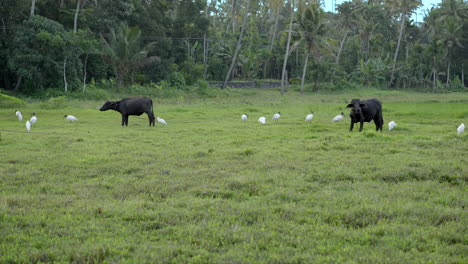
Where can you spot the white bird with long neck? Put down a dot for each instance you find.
(71, 118)
(19, 115)
(244, 117)
(162, 121)
(28, 125)
(461, 129)
(33, 119)
(392, 125)
(309, 117)
(338, 118)
(262, 120)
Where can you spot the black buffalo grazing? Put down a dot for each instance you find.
(366, 111)
(131, 106)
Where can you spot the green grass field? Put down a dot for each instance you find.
(208, 188)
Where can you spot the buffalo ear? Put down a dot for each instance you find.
(349, 106)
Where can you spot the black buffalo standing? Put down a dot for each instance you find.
(131, 106)
(365, 111)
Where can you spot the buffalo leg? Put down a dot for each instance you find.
(126, 120)
(351, 126)
(123, 120)
(361, 125)
(151, 118)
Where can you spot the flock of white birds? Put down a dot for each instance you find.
(338, 118)
(262, 120)
(29, 123)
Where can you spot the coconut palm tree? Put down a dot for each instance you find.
(124, 51)
(404, 8)
(451, 37)
(239, 44)
(312, 27)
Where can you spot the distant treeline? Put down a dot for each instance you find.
(69, 45)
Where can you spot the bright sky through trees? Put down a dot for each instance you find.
(417, 16)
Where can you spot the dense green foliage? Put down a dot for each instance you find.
(208, 188)
(10, 102)
(66, 44)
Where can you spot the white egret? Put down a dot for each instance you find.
(338, 118)
(19, 115)
(461, 129)
(244, 117)
(33, 119)
(162, 121)
(71, 118)
(392, 125)
(276, 116)
(309, 116)
(262, 120)
(28, 125)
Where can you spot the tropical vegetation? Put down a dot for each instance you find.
(68, 44)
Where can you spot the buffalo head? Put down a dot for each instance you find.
(356, 106)
(108, 105)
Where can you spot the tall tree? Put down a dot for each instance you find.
(404, 8)
(312, 27)
(124, 51)
(33, 5)
(286, 53)
(451, 37)
(239, 44)
(75, 20)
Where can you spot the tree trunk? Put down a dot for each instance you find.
(18, 83)
(304, 70)
(65, 74)
(275, 28)
(402, 27)
(75, 20)
(286, 54)
(463, 76)
(3, 26)
(205, 48)
(273, 37)
(84, 73)
(239, 44)
(337, 61)
(205, 56)
(233, 16)
(448, 72)
(33, 4)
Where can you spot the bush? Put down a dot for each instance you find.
(295, 80)
(201, 87)
(55, 103)
(456, 85)
(177, 80)
(10, 101)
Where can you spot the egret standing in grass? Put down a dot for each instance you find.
(244, 117)
(309, 117)
(19, 115)
(28, 126)
(71, 118)
(162, 121)
(391, 125)
(338, 118)
(461, 129)
(276, 116)
(33, 119)
(262, 120)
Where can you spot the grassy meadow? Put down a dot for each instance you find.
(208, 188)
